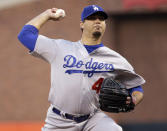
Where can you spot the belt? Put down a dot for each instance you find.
(77, 119)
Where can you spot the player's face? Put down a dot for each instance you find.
(94, 25)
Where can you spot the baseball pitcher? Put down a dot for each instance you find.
(87, 77)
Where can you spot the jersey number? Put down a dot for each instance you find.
(97, 85)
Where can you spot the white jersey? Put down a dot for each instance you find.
(75, 73)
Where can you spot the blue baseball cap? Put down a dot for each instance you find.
(92, 9)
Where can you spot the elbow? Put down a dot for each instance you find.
(20, 37)
(27, 39)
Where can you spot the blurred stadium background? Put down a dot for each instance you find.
(137, 29)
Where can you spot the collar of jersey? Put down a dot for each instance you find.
(91, 48)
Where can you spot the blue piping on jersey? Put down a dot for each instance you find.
(91, 48)
(90, 73)
(28, 36)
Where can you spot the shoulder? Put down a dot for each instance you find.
(117, 57)
(62, 43)
(108, 51)
(53, 40)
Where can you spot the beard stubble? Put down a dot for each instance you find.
(96, 34)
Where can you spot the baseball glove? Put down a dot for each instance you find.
(113, 96)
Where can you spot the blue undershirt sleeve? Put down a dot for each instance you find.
(138, 88)
(28, 36)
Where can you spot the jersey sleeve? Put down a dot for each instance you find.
(45, 48)
(138, 88)
(28, 36)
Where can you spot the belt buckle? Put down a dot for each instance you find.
(63, 114)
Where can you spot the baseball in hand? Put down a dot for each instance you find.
(60, 13)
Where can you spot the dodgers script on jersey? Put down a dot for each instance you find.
(74, 70)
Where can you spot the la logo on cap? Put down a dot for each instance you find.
(95, 8)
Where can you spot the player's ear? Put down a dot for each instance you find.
(81, 25)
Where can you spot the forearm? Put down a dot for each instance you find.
(137, 97)
(39, 20)
(29, 33)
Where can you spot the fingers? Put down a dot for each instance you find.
(56, 14)
(54, 10)
(128, 101)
